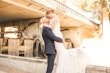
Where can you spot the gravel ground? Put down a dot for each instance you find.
(5, 69)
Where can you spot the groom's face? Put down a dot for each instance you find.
(50, 15)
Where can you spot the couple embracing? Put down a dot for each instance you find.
(69, 61)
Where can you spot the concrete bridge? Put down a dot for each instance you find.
(82, 27)
(28, 9)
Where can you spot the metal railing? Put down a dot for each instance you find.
(58, 6)
(54, 4)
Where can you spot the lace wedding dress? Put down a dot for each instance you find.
(68, 60)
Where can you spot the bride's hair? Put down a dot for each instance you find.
(49, 11)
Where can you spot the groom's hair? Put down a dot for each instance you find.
(49, 11)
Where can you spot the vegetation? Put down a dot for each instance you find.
(92, 6)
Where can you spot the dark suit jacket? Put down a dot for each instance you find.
(49, 39)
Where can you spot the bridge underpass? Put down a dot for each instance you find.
(28, 9)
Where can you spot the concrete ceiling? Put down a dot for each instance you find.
(10, 12)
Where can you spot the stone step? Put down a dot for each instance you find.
(6, 69)
(97, 69)
(2, 72)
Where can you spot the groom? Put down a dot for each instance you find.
(49, 39)
(50, 50)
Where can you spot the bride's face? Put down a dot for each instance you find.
(45, 20)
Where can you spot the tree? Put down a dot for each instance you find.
(92, 6)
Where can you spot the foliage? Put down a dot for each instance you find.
(95, 7)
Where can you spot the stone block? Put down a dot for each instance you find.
(108, 69)
(95, 69)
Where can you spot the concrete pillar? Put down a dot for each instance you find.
(106, 24)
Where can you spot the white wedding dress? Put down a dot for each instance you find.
(69, 60)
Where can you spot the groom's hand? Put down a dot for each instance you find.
(63, 39)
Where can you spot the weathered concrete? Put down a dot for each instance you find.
(35, 65)
(31, 65)
(6, 69)
(2, 72)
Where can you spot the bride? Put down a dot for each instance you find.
(68, 60)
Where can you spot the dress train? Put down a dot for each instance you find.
(69, 60)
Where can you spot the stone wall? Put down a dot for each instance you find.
(29, 27)
(74, 34)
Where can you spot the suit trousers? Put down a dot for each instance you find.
(50, 59)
